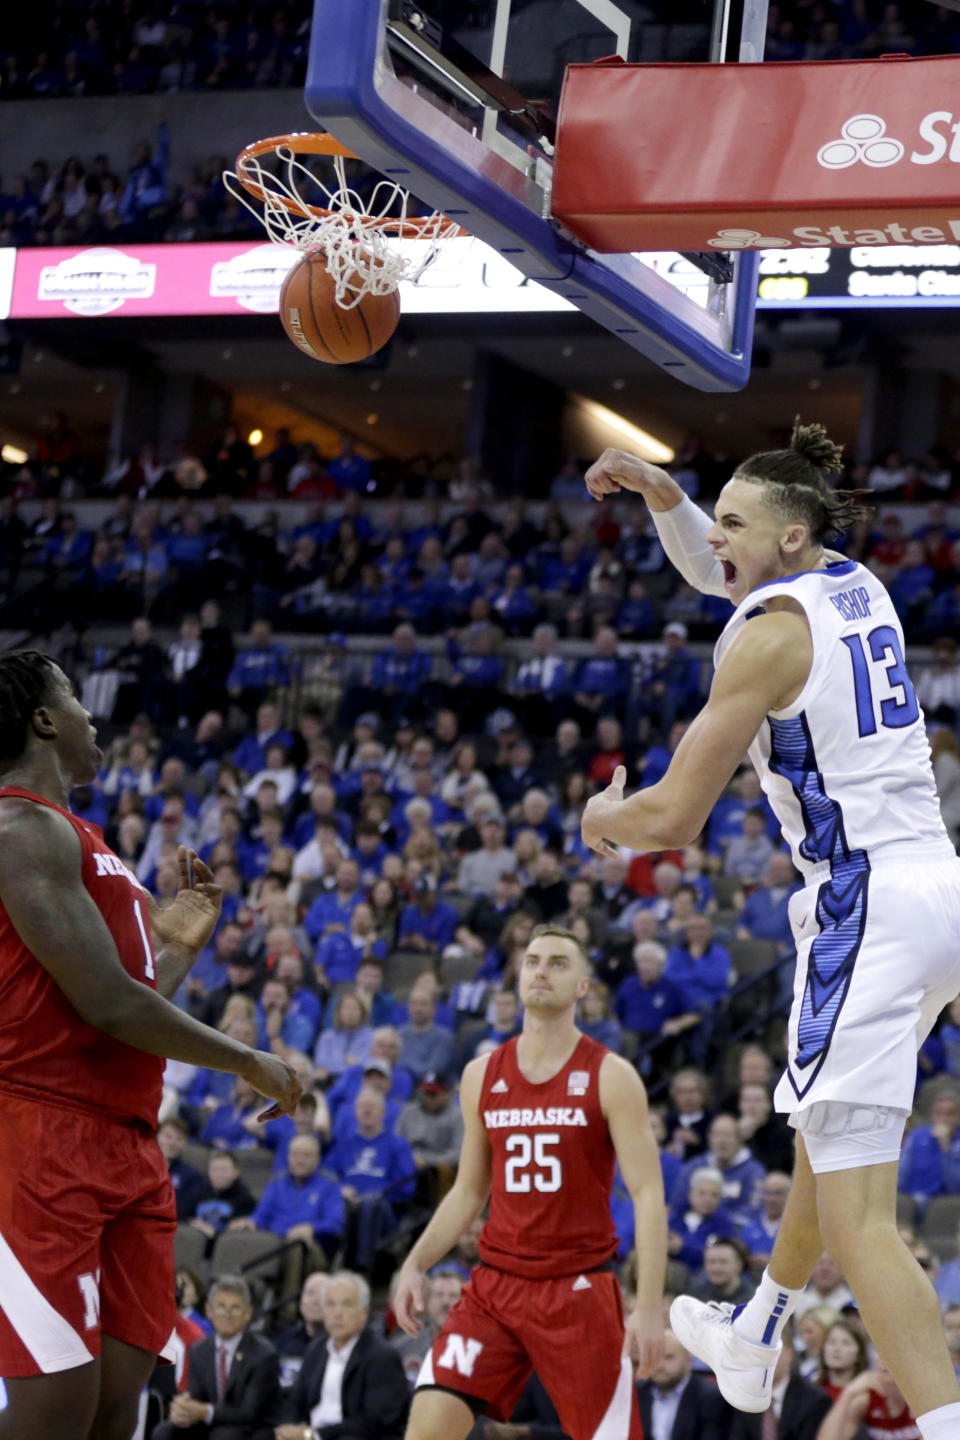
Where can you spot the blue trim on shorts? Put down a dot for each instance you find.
(841, 900)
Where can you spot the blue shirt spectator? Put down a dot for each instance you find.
(402, 669)
(930, 1159)
(698, 1218)
(764, 916)
(225, 1128)
(427, 924)
(373, 1161)
(742, 1175)
(350, 471)
(424, 1045)
(341, 953)
(251, 754)
(700, 969)
(303, 1196)
(262, 666)
(646, 1000)
(603, 679)
(335, 907)
(349, 1040)
(347, 1087)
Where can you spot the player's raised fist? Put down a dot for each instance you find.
(616, 470)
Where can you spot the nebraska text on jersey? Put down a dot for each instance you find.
(554, 1115)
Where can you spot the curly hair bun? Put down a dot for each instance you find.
(815, 445)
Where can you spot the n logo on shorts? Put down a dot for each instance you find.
(460, 1354)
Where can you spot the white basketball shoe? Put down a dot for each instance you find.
(744, 1372)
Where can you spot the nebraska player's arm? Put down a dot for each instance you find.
(765, 669)
(459, 1207)
(42, 890)
(623, 1100)
(845, 1416)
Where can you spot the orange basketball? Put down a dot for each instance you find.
(324, 330)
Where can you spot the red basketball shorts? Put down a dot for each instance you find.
(87, 1217)
(569, 1330)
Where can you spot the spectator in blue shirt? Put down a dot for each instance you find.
(476, 672)
(304, 1204)
(636, 617)
(671, 690)
(69, 547)
(424, 1045)
(283, 1022)
(930, 1159)
(348, 1041)
(260, 668)
(513, 604)
(759, 1233)
(250, 755)
(378, 1070)
(742, 1175)
(567, 571)
(332, 912)
(602, 682)
(226, 1127)
(377, 1173)
(350, 471)
(647, 1002)
(701, 969)
(596, 1018)
(400, 671)
(764, 916)
(427, 924)
(698, 1217)
(341, 954)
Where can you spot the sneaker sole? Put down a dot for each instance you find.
(687, 1334)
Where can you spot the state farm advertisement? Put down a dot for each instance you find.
(824, 154)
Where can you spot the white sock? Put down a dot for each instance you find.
(942, 1424)
(762, 1319)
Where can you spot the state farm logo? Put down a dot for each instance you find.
(97, 281)
(253, 278)
(863, 138)
(746, 240)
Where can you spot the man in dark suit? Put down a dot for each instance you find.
(351, 1386)
(234, 1388)
(676, 1404)
(798, 1405)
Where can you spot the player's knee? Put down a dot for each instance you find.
(115, 1422)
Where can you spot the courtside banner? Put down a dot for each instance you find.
(737, 157)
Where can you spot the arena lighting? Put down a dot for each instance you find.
(647, 446)
(13, 455)
(254, 437)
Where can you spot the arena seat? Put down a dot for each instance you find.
(189, 1249)
(458, 968)
(255, 1167)
(940, 1225)
(197, 1156)
(237, 1252)
(752, 957)
(402, 968)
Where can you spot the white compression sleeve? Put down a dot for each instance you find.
(682, 533)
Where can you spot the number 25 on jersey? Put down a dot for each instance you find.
(531, 1152)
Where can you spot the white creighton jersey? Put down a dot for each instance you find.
(846, 767)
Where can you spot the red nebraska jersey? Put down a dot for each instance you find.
(881, 1425)
(47, 1052)
(553, 1163)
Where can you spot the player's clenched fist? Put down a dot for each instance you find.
(616, 470)
(274, 1078)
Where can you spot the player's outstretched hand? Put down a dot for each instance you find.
(274, 1078)
(598, 810)
(616, 470)
(408, 1301)
(645, 1342)
(192, 917)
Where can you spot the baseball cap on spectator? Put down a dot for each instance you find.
(675, 628)
(378, 1064)
(435, 1081)
(501, 719)
(369, 717)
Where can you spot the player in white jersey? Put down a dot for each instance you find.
(815, 688)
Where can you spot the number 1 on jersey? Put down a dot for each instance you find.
(548, 1173)
(148, 969)
(894, 713)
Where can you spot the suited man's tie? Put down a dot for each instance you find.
(222, 1374)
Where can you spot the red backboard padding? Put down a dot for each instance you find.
(666, 157)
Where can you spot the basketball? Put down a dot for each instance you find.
(321, 327)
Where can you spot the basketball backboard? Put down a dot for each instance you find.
(455, 100)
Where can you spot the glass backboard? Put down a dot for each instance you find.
(455, 99)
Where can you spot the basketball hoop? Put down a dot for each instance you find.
(353, 235)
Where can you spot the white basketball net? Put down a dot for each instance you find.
(357, 251)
